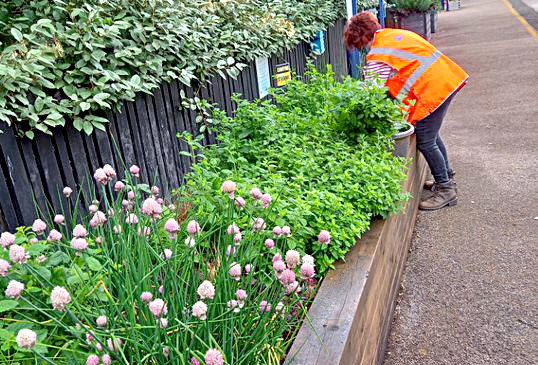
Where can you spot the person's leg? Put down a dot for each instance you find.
(430, 144)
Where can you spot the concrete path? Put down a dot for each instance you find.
(470, 291)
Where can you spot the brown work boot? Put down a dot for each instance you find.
(428, 184)
(443, 195)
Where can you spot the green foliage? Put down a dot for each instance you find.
(125, 259)
(67, 61)
(320, 176)
(412, 6)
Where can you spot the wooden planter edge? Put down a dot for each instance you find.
(348, 322)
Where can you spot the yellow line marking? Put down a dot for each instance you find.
(522, 20)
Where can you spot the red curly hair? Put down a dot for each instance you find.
(360, 29)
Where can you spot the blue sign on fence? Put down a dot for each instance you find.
(318, 43)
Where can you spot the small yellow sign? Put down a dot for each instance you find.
(283, 74)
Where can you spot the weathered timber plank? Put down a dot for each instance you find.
(136, 135)
(26, 149)
(7, 208)
(16, 175)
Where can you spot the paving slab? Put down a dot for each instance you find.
(470, 290)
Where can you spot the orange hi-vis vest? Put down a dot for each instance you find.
(425, 75)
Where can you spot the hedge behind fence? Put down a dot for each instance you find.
(144, 133)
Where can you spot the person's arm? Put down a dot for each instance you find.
(382, 70)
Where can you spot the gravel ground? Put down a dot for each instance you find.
(470, 290)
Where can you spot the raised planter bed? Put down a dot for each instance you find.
(418, 23)
(349, 318)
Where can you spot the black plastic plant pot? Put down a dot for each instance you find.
(401, 141)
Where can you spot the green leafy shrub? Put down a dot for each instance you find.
(411, 6)
(139, 252)
(65, 61)
(319, 176)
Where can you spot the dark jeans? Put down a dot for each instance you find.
(430, 144)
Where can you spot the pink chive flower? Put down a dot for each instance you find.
(167, 254)
(143, 232)
(237, 238)
(93, 208)
(235, 271)
(286, 231)
(135, 171)
(194, 361)
(17, 254)
(309, 259)
(206, 290)
(213, 357)
(145, 297)
(79, 244)
(59, 219)
(54, 236)
(151, 208)
(4, 268)
(100, 176)
(248, 268)
(199, 310)
(99, 218)
(239, 202)
(279, 307)
(193, 228)
(277, 257)
(89, 337)
(101, 321)
(293, 287)
(131, 195)
(158, 308)
(287, 277)
(240, 294)
(166, 351)
(109, 171)
(307, 271)
(41, 259)
(163, 323)
(14, 289)
(265, 306)
(114, 345)
(26, 339)
(119, 186)
(279, 266)
(99, 347)
(39, 226)
(292, 258)
(269, 243)
(155, 190)
(79, 231)
(7, 239)
(266, 200)
(258, 225)
(234, 304)
(131, 219)
(59, 298)
(277, 231)
(229, 187)
(324, 237)
(161, 290)
(92, 360)
(106, 359)
(172, 227)
(256, 194)
(67, 191)
(233, 229)
(230, 250)
(160, 201)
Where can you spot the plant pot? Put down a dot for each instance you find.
(453, 5)
(433, 20)
(401, 141)
(418, 23)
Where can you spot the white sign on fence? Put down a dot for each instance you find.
(264, 77)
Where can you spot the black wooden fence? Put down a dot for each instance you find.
(144, 133)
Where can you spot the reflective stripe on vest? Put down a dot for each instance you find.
(425, 63)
